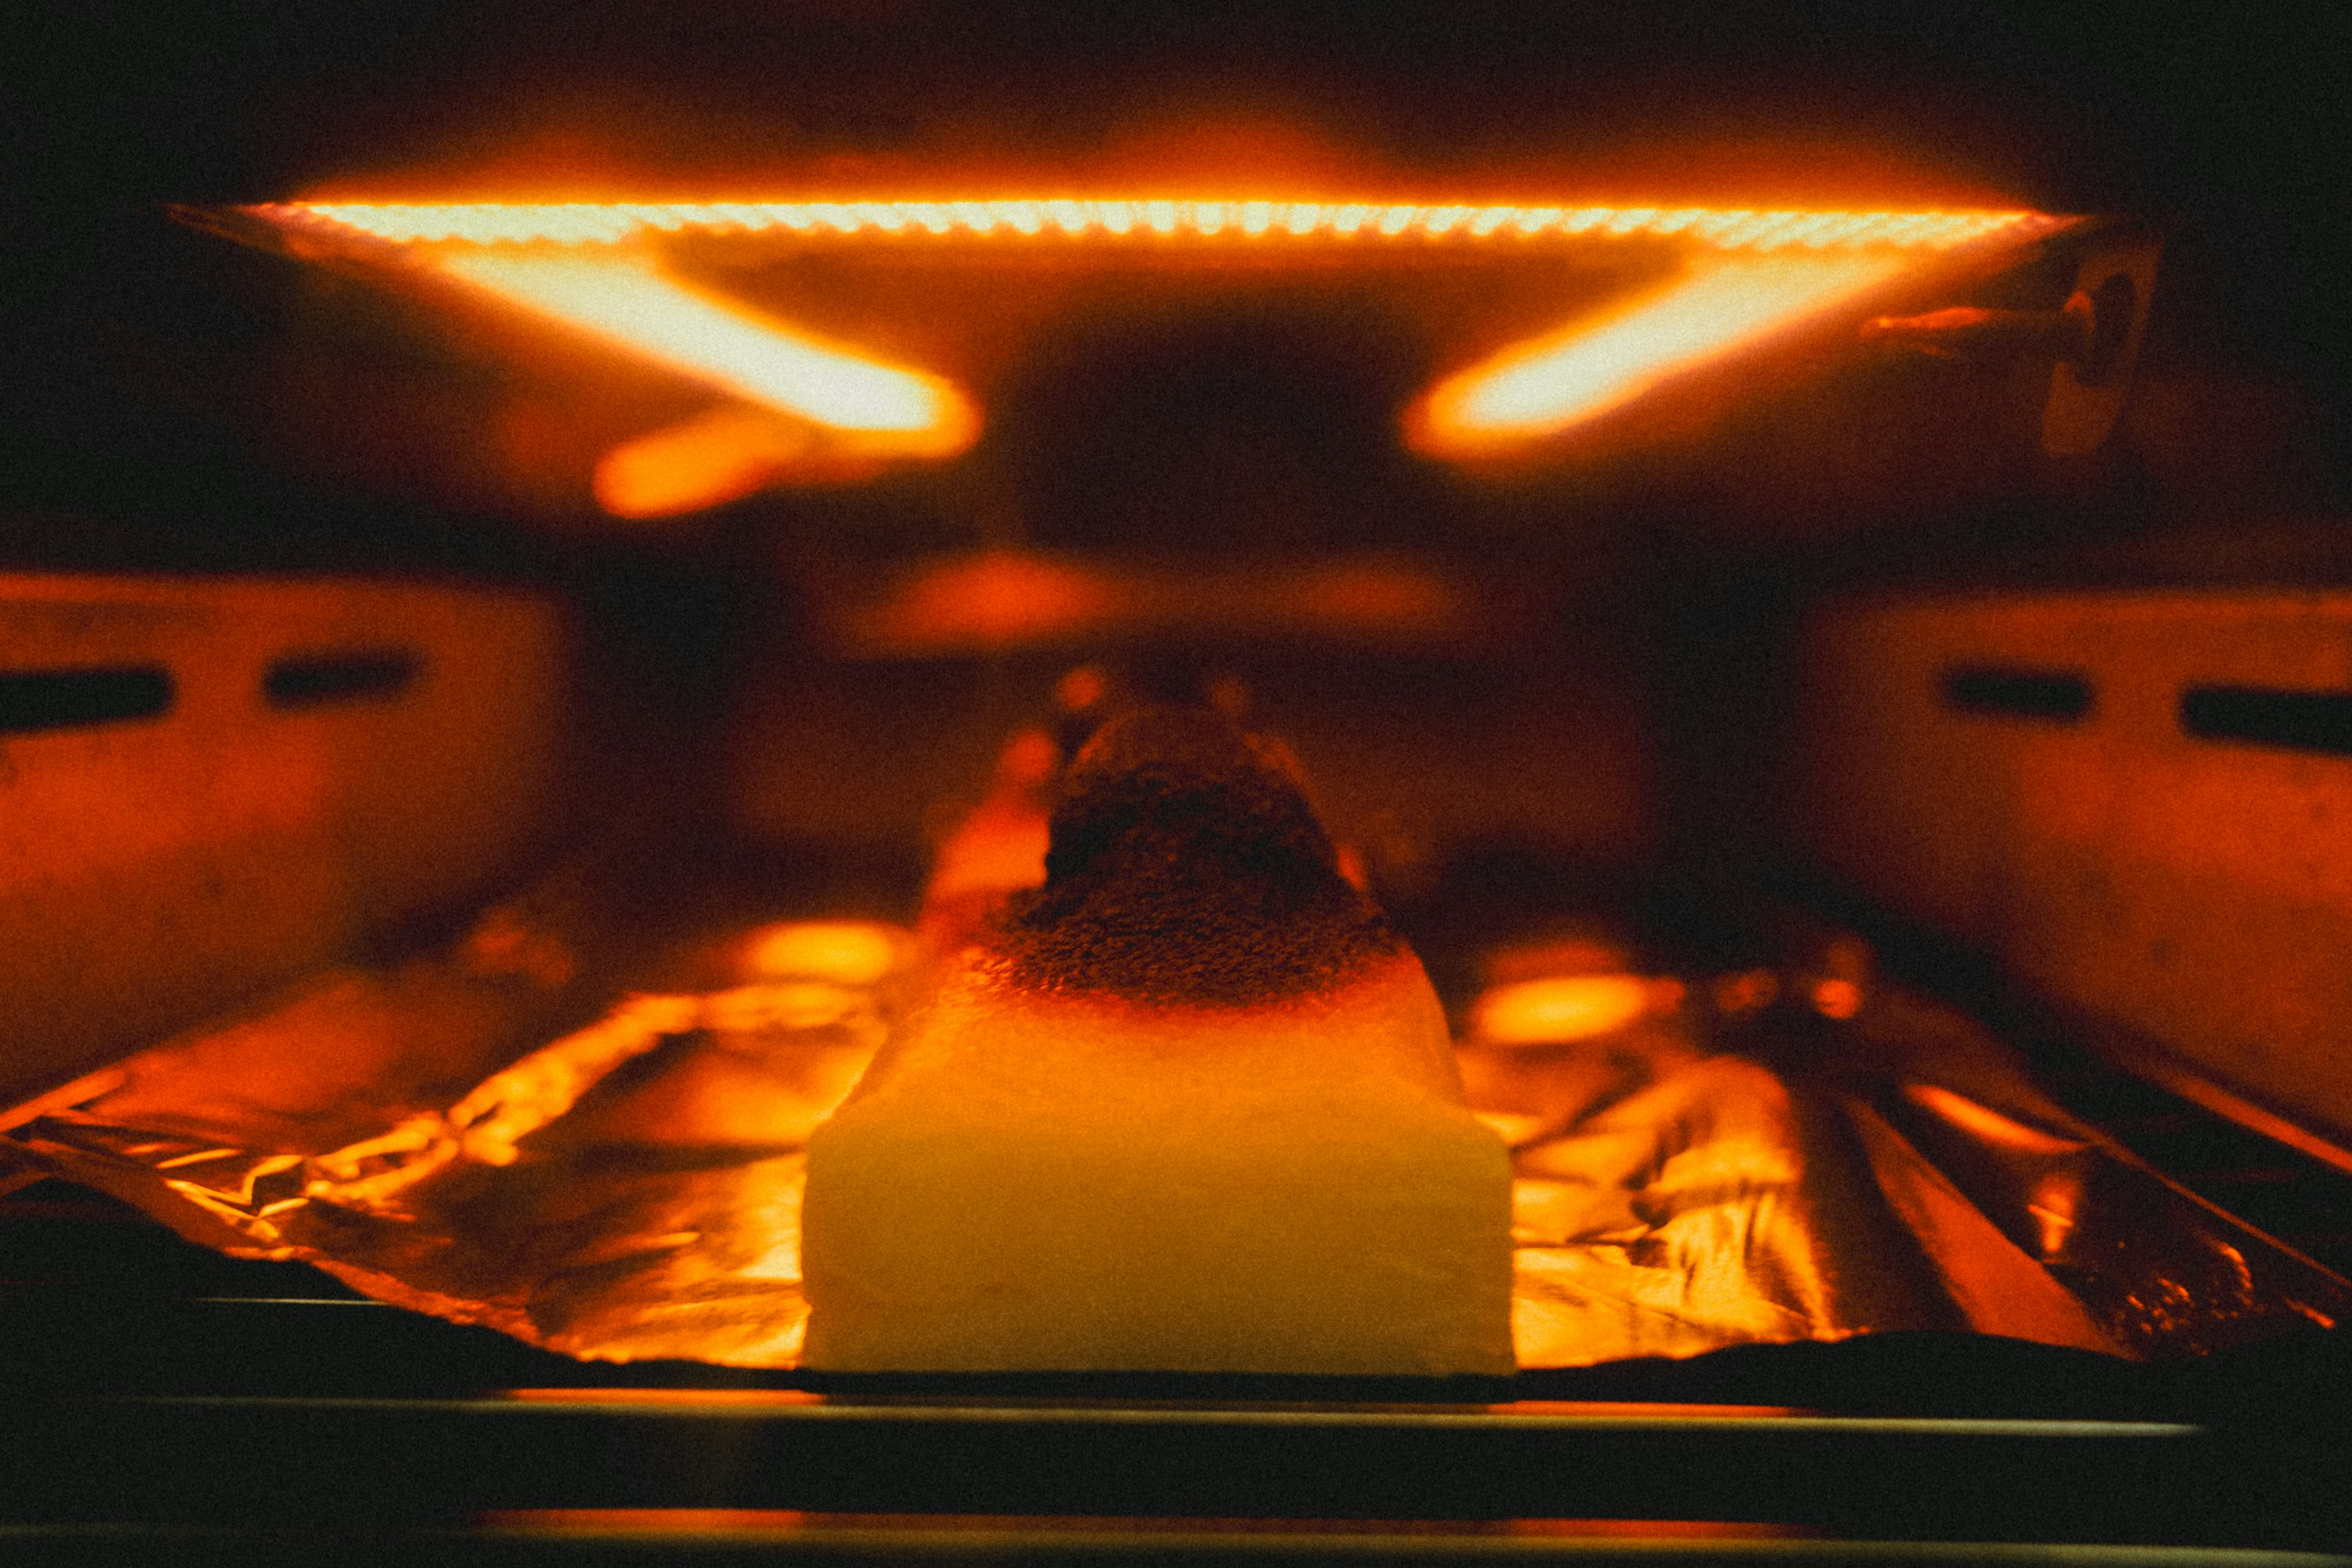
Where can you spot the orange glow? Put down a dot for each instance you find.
(1081, 689)
(726, 453)
(999, 599)
(848, 952)
(1571, 1410)
(1621, 1410)
(992, 600)
(611, 222)
(88, 1087)
(2057, 1200)
(1747, 991)
(707, 1396)
(625, 299)
(1750, 272)
(709, 460)
(1078, 1528)
(1984, 1122)
(1837, 998)
(645, 1520)
(1540, 388)
(1558, 1009)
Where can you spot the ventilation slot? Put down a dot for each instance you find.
(32, 700)
(2053, 697)
(313, 681)
(2266, 716)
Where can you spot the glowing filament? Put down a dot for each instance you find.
(709, 460)
(626, 301)
(612, 223)
(1750, 272)
(1541, 386)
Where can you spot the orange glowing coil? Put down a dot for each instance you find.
(626, 301)
(1538, 387)
(1748, 272)
(612, 223)
(720, 456)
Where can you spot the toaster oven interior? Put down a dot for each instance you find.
(396, 677)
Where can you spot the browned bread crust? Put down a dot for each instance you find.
(1186, 868)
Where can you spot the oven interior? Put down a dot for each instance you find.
(1912, 707)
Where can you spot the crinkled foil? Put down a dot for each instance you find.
(484, 1134)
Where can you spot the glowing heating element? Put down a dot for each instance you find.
(1750, 272)
(624, 298)
(719, 456)
(1535, 388)
(1142, 218)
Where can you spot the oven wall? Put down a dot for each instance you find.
(208, 786)
(2139, 800)
(1413, 759)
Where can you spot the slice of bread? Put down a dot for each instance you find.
(1189, 1105)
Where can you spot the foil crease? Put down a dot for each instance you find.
(501, 1133)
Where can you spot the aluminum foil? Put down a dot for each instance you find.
(518, 1130)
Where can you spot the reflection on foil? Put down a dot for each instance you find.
(478, 1135)
(629, 1190)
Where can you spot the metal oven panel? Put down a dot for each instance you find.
(207, 787)
(2140, 803)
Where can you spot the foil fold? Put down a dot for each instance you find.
(483, 1134)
